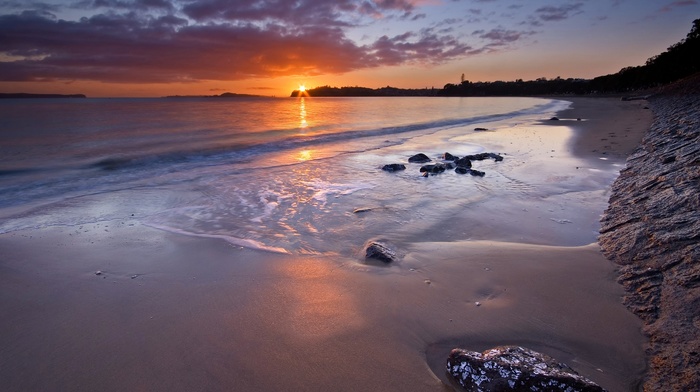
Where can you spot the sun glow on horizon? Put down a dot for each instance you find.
(302, 88)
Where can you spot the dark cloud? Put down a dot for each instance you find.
(554, 13)
(25, 5)
(676, 4)
(163, 47)
(424, 47)
(502, 36)
(125, 4)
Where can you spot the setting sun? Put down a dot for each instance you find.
(302, 88)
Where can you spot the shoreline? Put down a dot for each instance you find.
(170, 312)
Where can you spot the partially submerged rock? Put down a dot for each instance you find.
(434, 169)
(463, 162)
(394, 167)
(449, 157)
(464, 170)
(513, 368)
(380, 250)
(419, 158)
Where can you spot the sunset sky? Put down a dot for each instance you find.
(270, 47)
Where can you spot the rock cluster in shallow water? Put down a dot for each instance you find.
(513, 368)
(461, 165)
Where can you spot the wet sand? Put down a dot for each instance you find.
(169, 312)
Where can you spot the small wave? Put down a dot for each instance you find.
(322, 189)
(111, 163)
(242, 242)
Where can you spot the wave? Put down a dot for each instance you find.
(242, 152)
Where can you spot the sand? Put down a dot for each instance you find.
(121, 306)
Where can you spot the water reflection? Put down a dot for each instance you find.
(304, 155)
(302, 113)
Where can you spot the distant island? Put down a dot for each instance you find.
(224, 95)
(677, 62)
(27, 95)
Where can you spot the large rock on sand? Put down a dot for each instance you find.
(513, 368)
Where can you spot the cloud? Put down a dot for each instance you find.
(235, 42)
(124, 4)
(502, 36)
(555, 13)
(676, 4)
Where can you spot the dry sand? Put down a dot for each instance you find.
(168, 312)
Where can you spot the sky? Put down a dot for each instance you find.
(147, 48)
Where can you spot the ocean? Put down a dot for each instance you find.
(292, 175)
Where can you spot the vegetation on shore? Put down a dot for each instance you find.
(678, 61)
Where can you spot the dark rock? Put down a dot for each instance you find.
(495, 157)
(464, 170)
(478, 157)
(464, 163)
(435, 169)
(380, 250)
(554, 119)
(512, 368)
(449, 157)
(450, 165)
(361, 209)
(419, 158)
(394, 167)
(480, 129)
(669, 159)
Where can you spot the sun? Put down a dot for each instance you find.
(302, 88)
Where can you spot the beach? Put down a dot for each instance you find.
(118, 304)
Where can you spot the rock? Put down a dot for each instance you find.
(394, 167)
(478, 157)
(449, 157)
(380, 250)
(464, 170)
(463, 163)
(513, 368)
(495, 157)
(554, 119)
(361, 209)
(98, 273)
(419, 158)
(434, 169)
(651, 230)
(480, 129)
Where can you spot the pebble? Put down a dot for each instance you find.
(98, 273)
(477, 303)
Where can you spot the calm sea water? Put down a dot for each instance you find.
(276, 174)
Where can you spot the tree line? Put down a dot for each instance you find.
(678, 61)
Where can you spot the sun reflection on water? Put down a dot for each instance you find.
(304, 155)
(302, 113)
